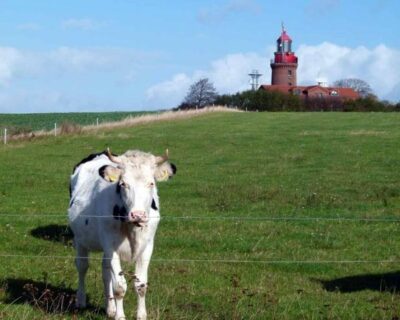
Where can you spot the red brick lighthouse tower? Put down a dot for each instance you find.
(284, 65)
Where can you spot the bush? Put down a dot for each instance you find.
(261, 100)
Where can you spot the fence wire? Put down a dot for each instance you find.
(223, 218)
(235, 261)
(216, 218)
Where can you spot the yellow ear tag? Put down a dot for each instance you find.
(112, 178)
(165, 175)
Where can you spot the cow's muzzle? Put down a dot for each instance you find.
(138, 218)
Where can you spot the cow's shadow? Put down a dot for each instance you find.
(43, 296)
(54, 232)
(383, 282)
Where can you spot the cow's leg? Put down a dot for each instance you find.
(118, 283)
(82, 265)
(111, 308)
(141, 268)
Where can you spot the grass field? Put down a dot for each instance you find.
(248, 165)
(45, 121)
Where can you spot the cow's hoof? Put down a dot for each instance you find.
(80, 302)
(111, 309)
(142, 316)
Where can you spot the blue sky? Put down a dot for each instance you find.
(97, 55)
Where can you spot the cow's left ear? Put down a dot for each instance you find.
(110, 173)
(165, 171)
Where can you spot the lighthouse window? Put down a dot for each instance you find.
(289, 72)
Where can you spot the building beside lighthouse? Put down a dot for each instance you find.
(284, 75)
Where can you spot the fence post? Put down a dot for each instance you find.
(55, 129)
(97, 122)
(5, 135)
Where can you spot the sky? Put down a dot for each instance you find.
(127, 55)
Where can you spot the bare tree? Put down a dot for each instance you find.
(200, 94)
(360, 86)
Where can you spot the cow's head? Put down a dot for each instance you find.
(136, 175)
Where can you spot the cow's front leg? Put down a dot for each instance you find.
(141, 268)
(117, 285)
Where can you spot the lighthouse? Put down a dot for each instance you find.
(284, 64)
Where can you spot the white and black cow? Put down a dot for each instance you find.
(114, 208)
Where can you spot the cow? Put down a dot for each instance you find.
(114, 209)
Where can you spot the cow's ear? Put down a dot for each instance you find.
(110, 173)
(165, 171)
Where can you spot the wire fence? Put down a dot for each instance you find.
(235, 261)
(223, 218)
(220, 218)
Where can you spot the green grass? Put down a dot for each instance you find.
(229, 165)
(45, 121)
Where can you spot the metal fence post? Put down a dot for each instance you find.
(5, 135)
(97, 122)
(55, 129)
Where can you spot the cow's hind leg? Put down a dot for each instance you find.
(82, 264)
(111, 308)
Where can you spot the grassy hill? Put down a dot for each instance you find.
(266, 187)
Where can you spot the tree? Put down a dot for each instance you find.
(200, 94)
(360, 86)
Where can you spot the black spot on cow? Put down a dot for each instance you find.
(119, 213)
(174, 168)
(118, 188)
(153, 205)
(90, 158)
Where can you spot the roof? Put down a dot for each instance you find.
(284, 36)
(348, 93)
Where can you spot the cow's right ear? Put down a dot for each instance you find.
(110, 173)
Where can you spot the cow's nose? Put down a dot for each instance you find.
(138, 216)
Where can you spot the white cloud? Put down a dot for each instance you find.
(10, 61)
(82, 24)
(379, 66)
(68, 78)
(168, 93)
(229, 74)
(16, 63)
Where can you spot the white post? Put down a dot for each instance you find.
(5, 135)
(97, 122)
(55, 129)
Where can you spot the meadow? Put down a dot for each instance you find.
(17, 123)
(270, 216)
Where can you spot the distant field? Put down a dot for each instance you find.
(264, 187)
(45, 121)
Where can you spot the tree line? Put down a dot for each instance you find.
(203, 93)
